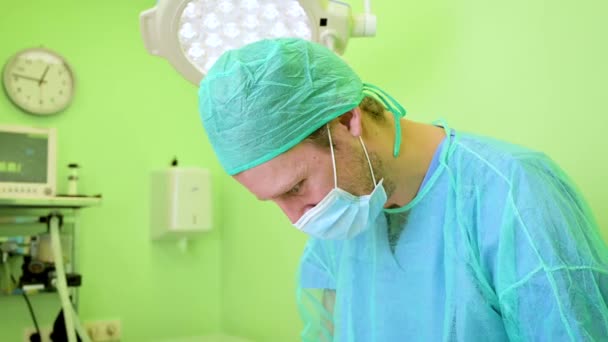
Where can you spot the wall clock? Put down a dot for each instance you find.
(39, 81)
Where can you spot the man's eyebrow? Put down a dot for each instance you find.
(285, 187)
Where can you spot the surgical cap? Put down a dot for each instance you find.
(259, 101)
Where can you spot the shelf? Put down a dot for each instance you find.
(51, 202)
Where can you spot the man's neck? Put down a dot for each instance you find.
(418, 145)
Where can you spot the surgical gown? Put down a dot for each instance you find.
(497, 246)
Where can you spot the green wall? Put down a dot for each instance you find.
(531, 72)
(131, 114)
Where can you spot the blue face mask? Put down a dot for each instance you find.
(341, 215)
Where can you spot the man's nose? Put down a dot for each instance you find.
(293, 211)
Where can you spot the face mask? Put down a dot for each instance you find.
(341, 215)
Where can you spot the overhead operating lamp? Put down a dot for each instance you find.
(193, 34)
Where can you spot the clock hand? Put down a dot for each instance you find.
(43, 75)
(27, 77)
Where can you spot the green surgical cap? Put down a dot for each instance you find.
(261, 100)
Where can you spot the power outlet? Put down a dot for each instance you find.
(104, 331)
(44, 331)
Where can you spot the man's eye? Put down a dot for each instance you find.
(295, 190)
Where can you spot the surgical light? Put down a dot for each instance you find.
(193, 34)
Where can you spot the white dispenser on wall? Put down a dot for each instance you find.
(180, 202)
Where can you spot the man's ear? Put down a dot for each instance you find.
(353, 121)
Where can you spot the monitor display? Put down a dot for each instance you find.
(23, 157)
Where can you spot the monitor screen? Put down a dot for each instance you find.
(23, 157)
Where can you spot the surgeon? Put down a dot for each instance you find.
(417, 232)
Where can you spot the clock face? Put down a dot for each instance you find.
(39, 81)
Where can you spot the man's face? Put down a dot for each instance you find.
(300, 178)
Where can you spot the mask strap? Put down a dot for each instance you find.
(369, 162)
(333, 157)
